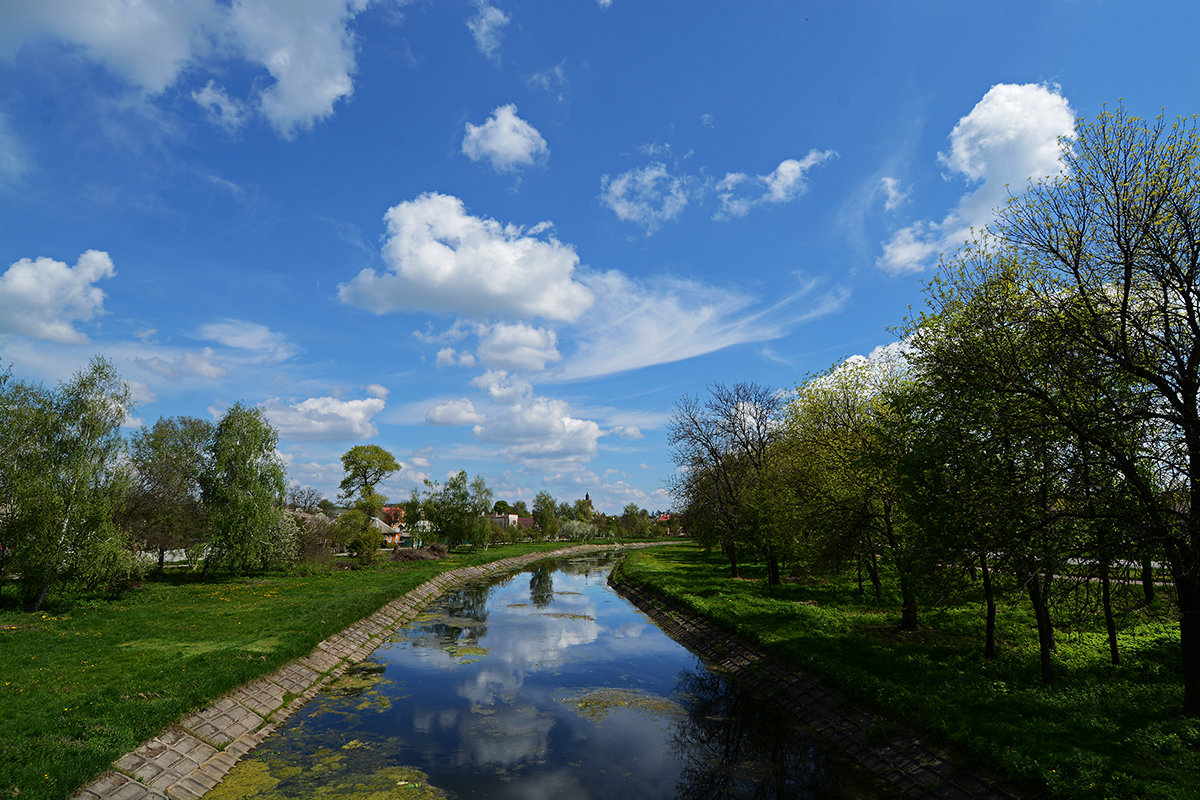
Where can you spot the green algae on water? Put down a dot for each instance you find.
(262, 780)
(596, 703)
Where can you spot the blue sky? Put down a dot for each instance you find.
(507, 236)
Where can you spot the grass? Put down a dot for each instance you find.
(1098, 731)
(88, 680)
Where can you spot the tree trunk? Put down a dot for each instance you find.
(1185, 566)
(1109, 622)
(860, 580)
(989, 636)
(772, 571)
(162, 557)
(908, 600)
(731, 552)
(873, 574)
(1045, 630)
(1148, 587)
(37, 606)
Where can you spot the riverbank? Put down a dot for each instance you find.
(1099, 731)
(90, 681)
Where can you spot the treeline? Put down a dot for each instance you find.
(1038, 419)
(78, 502)
(81, 506)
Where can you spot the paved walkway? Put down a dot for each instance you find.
(191, 757)
(902, 759)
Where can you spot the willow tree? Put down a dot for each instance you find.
(242, 487)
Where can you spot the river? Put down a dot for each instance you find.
(540, 684)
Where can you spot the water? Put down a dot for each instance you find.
(543, 684)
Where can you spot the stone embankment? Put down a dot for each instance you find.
(191, 757)
(898, 756)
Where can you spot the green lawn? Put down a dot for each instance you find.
(90, 679)
(1098, 731)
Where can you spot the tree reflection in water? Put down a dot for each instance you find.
(734, 745)
(541, 586)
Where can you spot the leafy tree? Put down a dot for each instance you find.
(545, 514)
(457, 509)
(63, 481)
(243, 487)
(365, 466)
(519, 508)
(163, 511)
(501, 507)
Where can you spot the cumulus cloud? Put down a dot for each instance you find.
(540, 429)
(250, 336)
(223, 110)
(506, 140)
(487, 26)
(739, 193)
(501, 386)
(442, 259)
(517, 346)
(306, 46)
(1010, 136)
(324, 418)
(43, 298)
(377, 390)
(309, 50)
(186, 365)
(454, 412)
(647, 196)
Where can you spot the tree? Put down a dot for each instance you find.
(63, 481)
(1116, 242)
(545, 514)
(304, 498)
(721, 448)
(242, 487)
(457, 509)
(365, 466)
(164, 510)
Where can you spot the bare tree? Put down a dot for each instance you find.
(721, 447)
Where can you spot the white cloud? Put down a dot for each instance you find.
(222, 109)
(487, 27)
(186, 365)
(454, 412)
(517, 346)
(635, 325)
(553, 80)
(146, 43)
(506, 140)
(1010, 136)
(309, 50)
(43, 298)
(12, 157)
(249, 336)
(894, 196)
(442, 259)
(501, 386)
(378, 390)
(306, 46)
(540, 429)
(784, 184)
(324, 418)
(630, 432)
(647, 196)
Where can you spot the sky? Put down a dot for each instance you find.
(507, 237)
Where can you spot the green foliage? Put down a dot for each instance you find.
(545, 515)
(242, 488)
(63, 482)
(1098, 732)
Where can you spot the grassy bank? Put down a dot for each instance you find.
(91, 678)
(1098, 731)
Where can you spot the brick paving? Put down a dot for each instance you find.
(189, 758)
(916, 768)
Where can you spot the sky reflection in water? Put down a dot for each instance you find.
(547, 684)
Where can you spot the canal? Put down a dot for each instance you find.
(539, 684)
